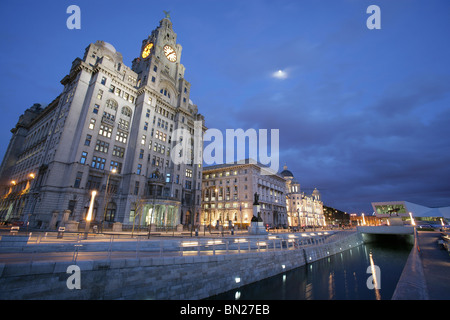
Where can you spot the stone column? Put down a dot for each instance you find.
(66, 214)
(53, 220)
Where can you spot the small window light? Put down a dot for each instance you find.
(237, 279)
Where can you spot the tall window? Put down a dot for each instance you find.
(121, 136)
(105, 131)
(115, 165)
(78, 179)
(92, 124)
(126, 111)
(93, 182)
(98, 163)
(87, 142)
(110, 212)
(112, 104)
(124, 124)
(118, 151)
(83, 157)
(102, 146)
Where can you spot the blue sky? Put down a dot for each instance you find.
(364, 115)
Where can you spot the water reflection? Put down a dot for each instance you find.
(344, 276)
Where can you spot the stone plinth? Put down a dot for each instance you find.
(71, 226)
(257, 228)
(117, 227)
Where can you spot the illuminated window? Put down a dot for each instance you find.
(105, 131)
(121, 136)
(92, 124)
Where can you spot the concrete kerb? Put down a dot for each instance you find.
(412, 284)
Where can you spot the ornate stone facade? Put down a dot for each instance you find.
(113, 129)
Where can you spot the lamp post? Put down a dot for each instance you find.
(413, 223)
(89, 214)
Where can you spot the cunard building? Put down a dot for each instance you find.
(113, 129)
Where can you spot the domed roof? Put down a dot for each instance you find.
(286, 173)
(109, 46)
(316, 192)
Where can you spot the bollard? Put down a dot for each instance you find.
(61, 232)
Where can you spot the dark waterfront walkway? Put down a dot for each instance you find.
(436, 265)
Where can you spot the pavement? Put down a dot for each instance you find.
(436, 265)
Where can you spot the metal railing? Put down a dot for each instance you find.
(74, 245)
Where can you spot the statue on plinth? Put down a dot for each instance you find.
(255, 202)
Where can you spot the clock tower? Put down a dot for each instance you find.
(159, 59)
(162, 107)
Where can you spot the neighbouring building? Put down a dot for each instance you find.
(228, 195)
(335, 217)
(303, 210)
(112, 129)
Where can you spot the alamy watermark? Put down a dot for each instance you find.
(74, 20)
(374, 280)
(74, 280)
(189, 147)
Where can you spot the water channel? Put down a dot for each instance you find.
(343, 276)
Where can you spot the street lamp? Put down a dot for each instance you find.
(413, 223)
(89, 214)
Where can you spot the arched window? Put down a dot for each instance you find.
(126, 111)
(110, 212)
(165, 92)
(112, 104)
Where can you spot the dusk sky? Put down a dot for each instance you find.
(364, 115)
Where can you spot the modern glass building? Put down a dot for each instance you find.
(404, 208)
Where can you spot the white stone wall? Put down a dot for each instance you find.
(180, 277)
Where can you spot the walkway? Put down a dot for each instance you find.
(436, 265)
(72, 247)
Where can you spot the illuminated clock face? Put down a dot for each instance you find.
(147, 49)
(170, 53)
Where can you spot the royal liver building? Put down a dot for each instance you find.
(113, 129)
